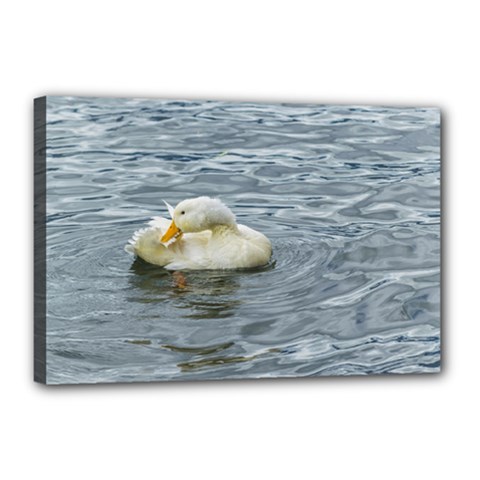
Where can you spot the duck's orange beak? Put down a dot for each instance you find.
(172, 231)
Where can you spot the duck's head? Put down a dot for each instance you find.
(198, 214)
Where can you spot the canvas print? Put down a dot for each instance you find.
(180, 240)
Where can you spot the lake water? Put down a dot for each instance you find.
(348, 195)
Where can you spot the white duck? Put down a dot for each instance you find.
(203, 234)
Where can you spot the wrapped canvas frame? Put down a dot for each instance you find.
(40, 252)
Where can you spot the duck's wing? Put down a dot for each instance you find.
(160, 223)
(158, 226)
(190, 252)
(146, 243)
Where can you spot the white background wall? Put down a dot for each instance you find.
(409, 52)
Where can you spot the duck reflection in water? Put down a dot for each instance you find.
(200, 294)
(211, 297)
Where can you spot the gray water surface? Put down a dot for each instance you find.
(349, 197)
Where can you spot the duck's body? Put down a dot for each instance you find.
(208, 238)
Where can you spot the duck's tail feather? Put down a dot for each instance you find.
(132, 242)
(158, 225)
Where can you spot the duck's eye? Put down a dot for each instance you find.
(183, 212)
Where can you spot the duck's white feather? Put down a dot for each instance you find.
(170, 209)
(221, 246)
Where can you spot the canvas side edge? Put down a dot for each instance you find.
(39, 239)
